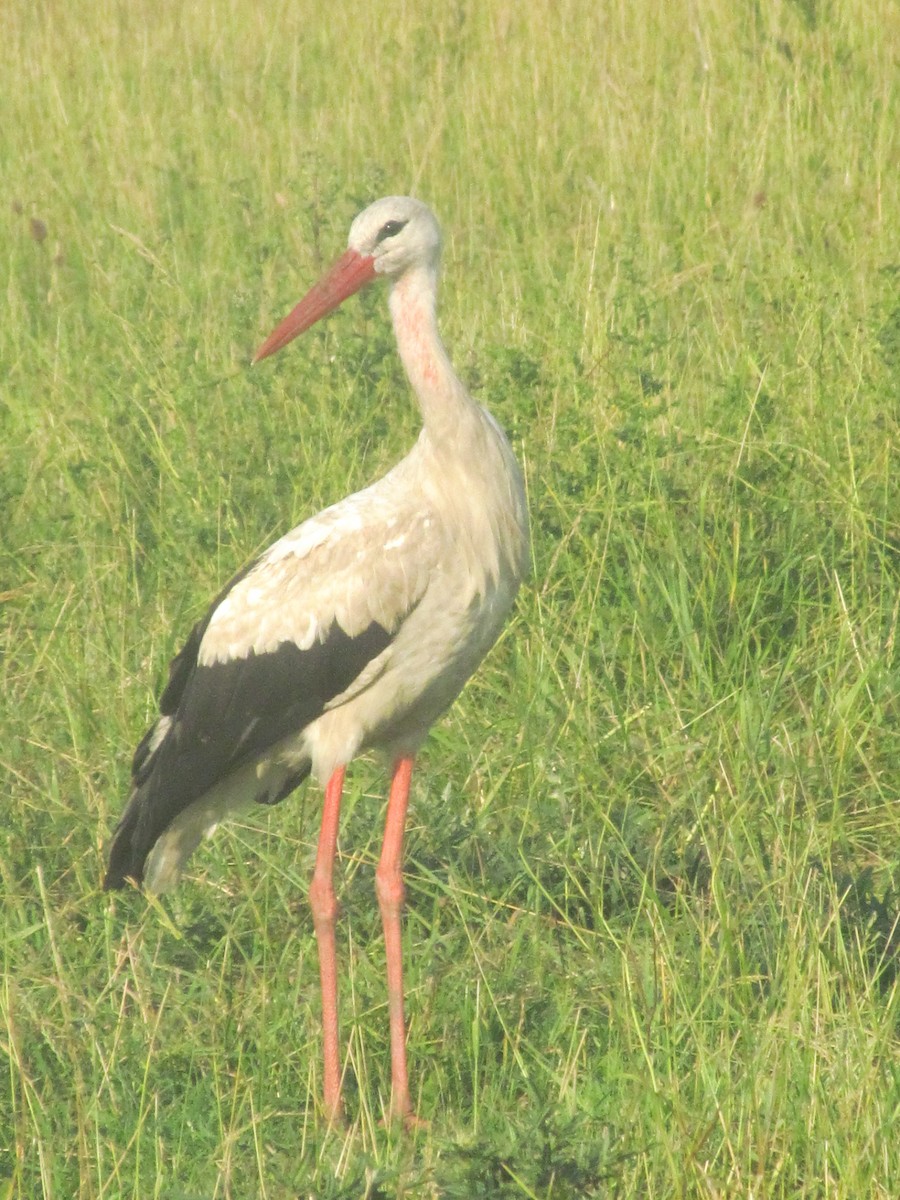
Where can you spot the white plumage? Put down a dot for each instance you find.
(354, 631)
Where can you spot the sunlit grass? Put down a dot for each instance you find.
(653, 852)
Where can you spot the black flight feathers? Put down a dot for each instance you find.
(224, 716)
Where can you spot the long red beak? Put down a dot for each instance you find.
(351, 272)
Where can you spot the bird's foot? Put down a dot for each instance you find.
(411, 1122)
(335, 1116)
(402, 1114)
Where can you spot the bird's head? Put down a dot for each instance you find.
(387, 238)
(396, 233)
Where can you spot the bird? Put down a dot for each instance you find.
(353, 632)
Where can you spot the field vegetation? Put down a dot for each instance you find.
(654, 852)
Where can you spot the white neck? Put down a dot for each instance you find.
(442, 398)
(477, 482)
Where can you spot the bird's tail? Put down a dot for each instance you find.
(156, 837)
(126, 857)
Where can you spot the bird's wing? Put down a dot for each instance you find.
(287, 635)
(353, 565)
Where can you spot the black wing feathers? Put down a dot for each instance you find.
(233, 711)
(225, 715)
(181, 668)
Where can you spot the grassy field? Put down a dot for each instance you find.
(654, 855)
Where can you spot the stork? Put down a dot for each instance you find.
(353, 632)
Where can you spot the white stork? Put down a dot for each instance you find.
(353, 632)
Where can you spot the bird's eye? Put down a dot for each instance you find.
(389, 229)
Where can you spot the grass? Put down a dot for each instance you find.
(654, 855)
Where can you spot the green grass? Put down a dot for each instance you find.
(654, 854)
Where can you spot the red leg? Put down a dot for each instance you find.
(325, 909)
(390, 890)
